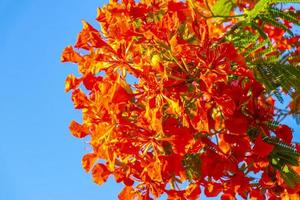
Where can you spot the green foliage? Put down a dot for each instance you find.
(260, 7)
(283, 148)
(256, 27)
(289, 16)
(192, 165)
(270, 66)
(290, 176)
(264, 6)
(242, 39)
(257, 46)
(282, 158)
(272, 124)
(252, 133)
(275, 74)
(222, 7)
(269, 19)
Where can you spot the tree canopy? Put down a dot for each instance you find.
(200, 113)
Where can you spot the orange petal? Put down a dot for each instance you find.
(71, 82)
(121, 95)
(79, 99)
(154, 171)
(100, 173)
(88, 160)
(127, 193)
(193, 192)
(89, 37)
(69, 55)
(78, 130)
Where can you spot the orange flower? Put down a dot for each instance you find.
(170, 104)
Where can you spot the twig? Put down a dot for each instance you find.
(207, 5)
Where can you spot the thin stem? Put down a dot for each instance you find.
(207, 5)
(227, 17)
(221, 16)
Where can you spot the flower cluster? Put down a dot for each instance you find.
(170, 107)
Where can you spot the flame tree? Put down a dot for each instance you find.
(201, 115)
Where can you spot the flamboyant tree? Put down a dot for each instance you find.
(179, 97)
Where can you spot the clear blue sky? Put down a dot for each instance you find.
(39, 159)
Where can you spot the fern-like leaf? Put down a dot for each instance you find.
(259, 30)
(289, 16)
(277, 24)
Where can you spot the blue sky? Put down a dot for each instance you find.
(39, 159)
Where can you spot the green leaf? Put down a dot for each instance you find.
(192, 165)
(290, 177)
(137, 23)
(286, 169)
(274, 161)
(259, 8)
(256, 47)
(274, 75)
(277, 24)
(289, 16)
(272, 124)
(263, 5)
(259, 30)
(222, 7)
